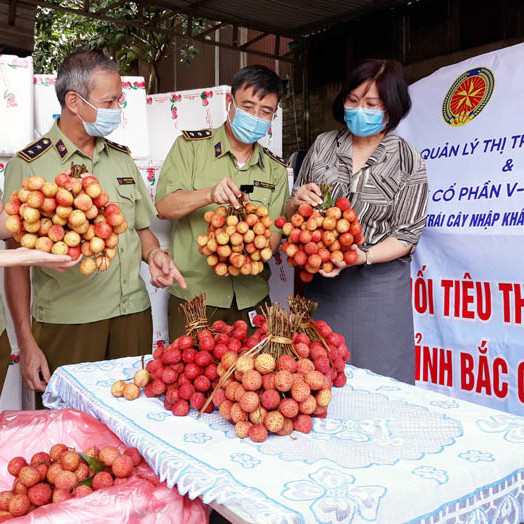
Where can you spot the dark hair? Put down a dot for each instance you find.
(76, 71)
(261, 78)
(391, 84)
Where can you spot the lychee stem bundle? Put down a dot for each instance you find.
(195, 313)
(281, 326)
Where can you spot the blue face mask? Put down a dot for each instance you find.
(248, 128)
(364, 122)
(107, 120)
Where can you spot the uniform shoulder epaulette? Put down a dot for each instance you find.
(202, 134)
(118, 147)
(276, 158)
(35, 150)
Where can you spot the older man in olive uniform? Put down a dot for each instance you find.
(79, 318)
(209, 167)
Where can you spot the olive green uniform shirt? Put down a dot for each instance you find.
(3, 321)
(200, 159)
(70, 297)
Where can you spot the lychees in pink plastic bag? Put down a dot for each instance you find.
(142, 499)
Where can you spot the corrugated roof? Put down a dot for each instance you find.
(292, 18)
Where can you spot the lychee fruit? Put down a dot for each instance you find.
(82, 472)
(323, 365)
(305, 366)
(257, 433)
(315, 380)
(82, 491)
(237, 413)
(225, 409)
(340, 380)
(270, 399)
(15, 465)
(298, 379)
(102, 480)
(56, 451)
(19, 488)
(252, 380)
(131, 391)
(241, 428)
(60, 495)
(320, 411)
(229, 358)
(218, 397)
(302, 350)
(245, 363)
(93, 451)
(239, 392)
(65, 480)
(323, 397)
(287, 362)
(265, 363)
(186, 390)
(300, 391)
(19, 505)
(53, 470)
(317, 350)
(70, 460)
(41, 457)
(231, 390)
(274, 421)
(180, 408)
(122, 466)
(40, 494)
(157, 387)
(29, 476)
(287, 428)
(257, 417)
(288, 407)
(308, 406)
(303, 423)
(42, 469)
(283, 380)
(134, 454)
(268, 381)
(6, 496)
(202, 383)
(108, 454)
(249, 401)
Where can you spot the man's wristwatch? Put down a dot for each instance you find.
(369, 260)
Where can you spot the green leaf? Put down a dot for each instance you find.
(86, 482)
(95, 464)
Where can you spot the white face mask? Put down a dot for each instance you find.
(107, 120)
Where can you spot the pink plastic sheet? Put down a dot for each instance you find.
(143, 499)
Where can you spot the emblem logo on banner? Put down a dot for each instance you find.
(468, 96)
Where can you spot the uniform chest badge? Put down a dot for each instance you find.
(264, 185)
(126, 180)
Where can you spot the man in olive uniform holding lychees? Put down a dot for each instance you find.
(207, 168)
(79, 318)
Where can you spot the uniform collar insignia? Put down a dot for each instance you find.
(218, 149)
(61, 149)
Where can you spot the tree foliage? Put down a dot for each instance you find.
(59, 33)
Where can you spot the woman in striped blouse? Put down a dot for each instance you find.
(385, 180)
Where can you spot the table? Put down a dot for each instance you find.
(387, 453)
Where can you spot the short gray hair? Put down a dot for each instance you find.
(76, 71)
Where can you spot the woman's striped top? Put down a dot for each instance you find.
(389, 193)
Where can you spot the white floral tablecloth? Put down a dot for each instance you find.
(388, 453)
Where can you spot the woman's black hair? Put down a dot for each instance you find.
(391, 84)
